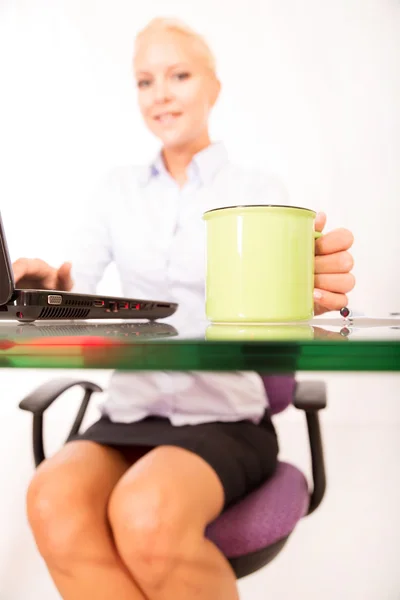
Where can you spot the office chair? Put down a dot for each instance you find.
(253, 531)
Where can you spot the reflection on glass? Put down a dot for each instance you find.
(272, 332)
(123, 331)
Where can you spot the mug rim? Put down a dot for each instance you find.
(260, 206)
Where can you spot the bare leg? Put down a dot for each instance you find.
(158, 512)
(67, 510)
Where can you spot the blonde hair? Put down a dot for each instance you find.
(162, 24)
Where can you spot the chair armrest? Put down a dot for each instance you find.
(310, 396)
(40, 399)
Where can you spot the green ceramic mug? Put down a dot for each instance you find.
(260, 264)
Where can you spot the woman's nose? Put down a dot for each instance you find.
(162, 92)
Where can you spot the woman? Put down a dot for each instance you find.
(121, 510)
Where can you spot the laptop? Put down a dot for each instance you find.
(30, 305)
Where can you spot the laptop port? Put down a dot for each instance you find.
(113, 306)
(54, 299)
(124, 305)
(98, 303)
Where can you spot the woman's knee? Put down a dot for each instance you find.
(151, 533)
(67, 498)
(58, 515)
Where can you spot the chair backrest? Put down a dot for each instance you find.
(280, 391)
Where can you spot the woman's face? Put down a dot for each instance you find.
(176, 89)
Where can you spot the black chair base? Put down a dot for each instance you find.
(248, 563)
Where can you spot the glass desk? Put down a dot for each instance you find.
(323, 344)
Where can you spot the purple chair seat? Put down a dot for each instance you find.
(272, 511)
(265, 516)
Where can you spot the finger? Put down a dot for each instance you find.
(29, 267)
(338, 283)
(320, 221)
(20, 267)
(334, 241)
(64, 278)
(330, 300)
(339, 262)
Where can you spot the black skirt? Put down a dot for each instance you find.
(242, 453)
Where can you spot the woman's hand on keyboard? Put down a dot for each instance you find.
(34, 274)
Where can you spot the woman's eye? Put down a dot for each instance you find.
(182, 76)
(143, 83)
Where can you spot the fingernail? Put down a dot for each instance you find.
(317, 294)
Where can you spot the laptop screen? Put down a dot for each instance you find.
(7, 285)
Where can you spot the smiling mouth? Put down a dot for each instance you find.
(167, 118)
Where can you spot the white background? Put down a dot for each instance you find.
(311, 91)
